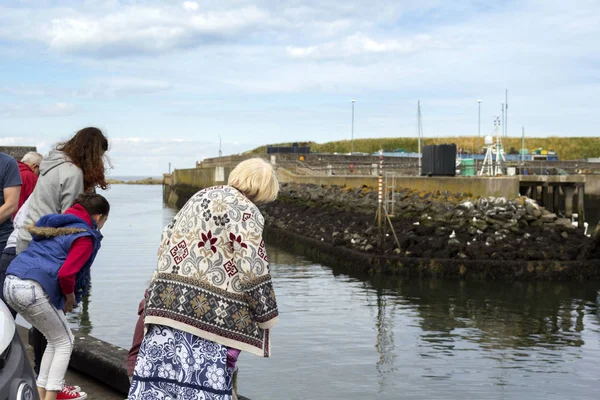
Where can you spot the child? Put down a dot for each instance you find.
(50, 277)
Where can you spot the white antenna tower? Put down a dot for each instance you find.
(494, 155)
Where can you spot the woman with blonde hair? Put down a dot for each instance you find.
(211, 295)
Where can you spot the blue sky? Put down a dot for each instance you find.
(165, 78)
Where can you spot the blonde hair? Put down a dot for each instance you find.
(256, 179)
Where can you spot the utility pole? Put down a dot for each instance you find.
(502, 120)
(523, 150)
(220, 149)
(352, 137)
(479, 129)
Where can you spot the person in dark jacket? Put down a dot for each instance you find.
(50, 277)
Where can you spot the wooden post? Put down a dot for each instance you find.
(544, 195)
(380, 207)
(555, 194)
(580, 206)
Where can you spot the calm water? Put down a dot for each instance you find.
(352, 337)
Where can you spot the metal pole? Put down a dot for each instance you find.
(522, 150)
(380, 198)
(220, 151)
(352, 137)
(506, 114)
(419, 135)
(479, 130)
(502, 134)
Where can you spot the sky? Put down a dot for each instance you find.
(165, 79)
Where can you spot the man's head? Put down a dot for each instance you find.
(34, 160)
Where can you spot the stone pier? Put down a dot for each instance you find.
(561, 185)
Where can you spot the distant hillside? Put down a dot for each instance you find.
(571, 148)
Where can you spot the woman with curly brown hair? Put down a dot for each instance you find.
(73, 167)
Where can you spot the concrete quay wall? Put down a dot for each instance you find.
(17, 152)
(183, 183)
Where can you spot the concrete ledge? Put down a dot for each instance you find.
(100, 360)
(103, 361)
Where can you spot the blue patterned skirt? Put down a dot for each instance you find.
(176, 365)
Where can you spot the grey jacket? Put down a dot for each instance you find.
(60, 182)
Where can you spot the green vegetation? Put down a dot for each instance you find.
(567, 148)
(146, 181)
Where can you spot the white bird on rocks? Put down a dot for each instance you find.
(452, 235)
(417, 223)
(352, 241)
(474, 219)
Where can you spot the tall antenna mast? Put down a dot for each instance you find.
(506, 113)
(502, 123)
(523, 150)
(419, 133)
(220, 150)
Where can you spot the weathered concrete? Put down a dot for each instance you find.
(592, 184)
(101, 361)
(185, 182)
(17, 151)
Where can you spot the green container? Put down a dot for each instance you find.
(468, 167)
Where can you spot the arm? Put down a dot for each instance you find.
(258, 289)
(11, 203)
(80, 253)
(71, 187)
(10, 183)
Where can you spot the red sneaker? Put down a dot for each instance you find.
(71, 388)
(69, 395)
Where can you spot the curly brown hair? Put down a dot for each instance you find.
(86, 149)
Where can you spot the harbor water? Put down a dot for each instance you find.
(344, 336)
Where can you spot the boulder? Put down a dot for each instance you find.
(549, 218)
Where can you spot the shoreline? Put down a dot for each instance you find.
(344, 259)
(145, 181)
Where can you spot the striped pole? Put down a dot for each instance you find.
(380, 209)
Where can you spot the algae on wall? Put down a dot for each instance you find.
(186, 182)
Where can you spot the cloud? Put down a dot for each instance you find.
(360, 44)
(190, 5)
(142, 30)
(143, 156)
(59, 109)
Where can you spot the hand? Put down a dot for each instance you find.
(69, 302)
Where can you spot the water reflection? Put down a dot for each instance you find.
(368, 337)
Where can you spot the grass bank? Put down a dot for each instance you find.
(567, 148)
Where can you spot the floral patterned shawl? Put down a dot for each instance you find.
(212, 278)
